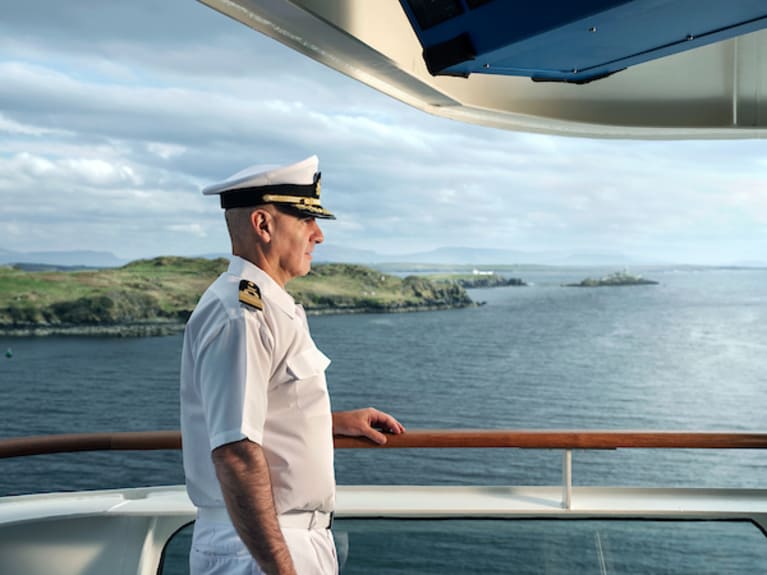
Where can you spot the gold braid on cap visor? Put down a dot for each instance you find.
(299, 194)
(291, 200)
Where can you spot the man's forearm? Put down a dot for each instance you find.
(243, 473)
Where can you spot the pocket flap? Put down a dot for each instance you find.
(308, 363)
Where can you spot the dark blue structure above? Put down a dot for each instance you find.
(570, 40)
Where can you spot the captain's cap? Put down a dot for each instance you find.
(296, 187)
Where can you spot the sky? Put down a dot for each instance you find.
(114, 115)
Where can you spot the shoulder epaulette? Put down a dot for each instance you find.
(250, 294)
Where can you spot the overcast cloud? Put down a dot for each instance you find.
(113, 115)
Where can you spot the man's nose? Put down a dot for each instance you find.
(317, 234)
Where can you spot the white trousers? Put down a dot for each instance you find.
(218, 550)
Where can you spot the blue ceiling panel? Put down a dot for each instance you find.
(571, 41)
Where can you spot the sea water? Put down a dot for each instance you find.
(687, 354)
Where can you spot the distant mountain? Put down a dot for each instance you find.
(330, 253)
(470, 256)
(586, 259)
(749, 264)
(340, 254)
(76, 258)
(459, 255)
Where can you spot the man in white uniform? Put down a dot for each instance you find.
(255, 413)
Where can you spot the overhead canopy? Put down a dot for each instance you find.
(562, 40)
(601, 68)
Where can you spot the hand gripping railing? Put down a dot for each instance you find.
(522, 439)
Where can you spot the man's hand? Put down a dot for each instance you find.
(366, 423)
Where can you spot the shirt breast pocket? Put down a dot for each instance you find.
(307, 370)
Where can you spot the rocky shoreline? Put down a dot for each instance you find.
(389, 309)
(490, 281)
(149, 329)
(164, 327)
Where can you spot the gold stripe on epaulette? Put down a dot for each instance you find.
(250, 294)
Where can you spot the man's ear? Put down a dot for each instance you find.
(261, 222)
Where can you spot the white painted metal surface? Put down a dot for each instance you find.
(717, 91)
(90, 533)
(123, 532)
(545, 501)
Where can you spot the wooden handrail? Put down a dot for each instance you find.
(72, 442)
(563, 439)
(434, 438)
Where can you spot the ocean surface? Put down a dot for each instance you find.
(687, 354)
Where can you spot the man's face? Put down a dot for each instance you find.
(293, 242)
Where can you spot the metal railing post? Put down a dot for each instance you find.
(567, 479)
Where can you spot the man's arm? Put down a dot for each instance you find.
(243, 473)
(366, 423)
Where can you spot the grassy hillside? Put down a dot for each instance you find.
(166, 289)
(162, 288)
(347, 287)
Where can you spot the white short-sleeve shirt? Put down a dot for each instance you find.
(256, 374)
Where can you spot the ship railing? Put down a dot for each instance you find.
(148, 527)
(565, 440)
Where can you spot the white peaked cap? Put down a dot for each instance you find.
(295, 186)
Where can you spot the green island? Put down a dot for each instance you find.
(156, 296)
(614, 279)
(478, 280)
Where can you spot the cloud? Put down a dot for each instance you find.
(194, 229)
(165, 151)
(10, 127)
